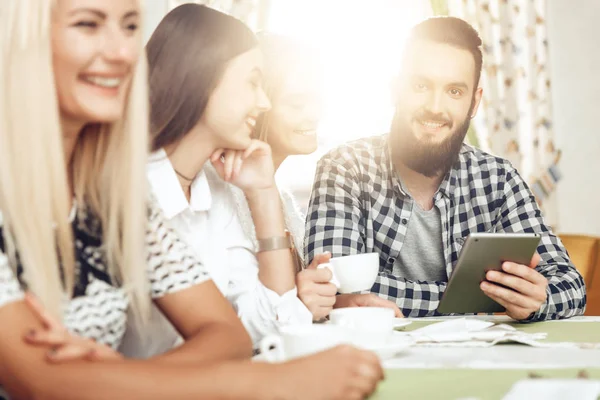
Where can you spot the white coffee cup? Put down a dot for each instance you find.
(300, 341)
(353, 273)
(367, 327)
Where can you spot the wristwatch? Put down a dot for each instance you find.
(276, 243)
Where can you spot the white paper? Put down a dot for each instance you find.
(465, 332)
(550, 389)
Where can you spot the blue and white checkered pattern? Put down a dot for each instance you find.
(358, 206)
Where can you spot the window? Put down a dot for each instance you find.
(360, 44)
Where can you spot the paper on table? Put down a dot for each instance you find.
(550, 389)
(472, 333)
(454, 325)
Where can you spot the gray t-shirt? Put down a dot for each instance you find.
(422, 254)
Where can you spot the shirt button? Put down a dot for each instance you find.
(391, 260)
(404, 221)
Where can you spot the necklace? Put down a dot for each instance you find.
(183, 176)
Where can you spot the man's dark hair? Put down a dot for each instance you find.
(452, 31)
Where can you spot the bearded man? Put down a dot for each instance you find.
(415, 194)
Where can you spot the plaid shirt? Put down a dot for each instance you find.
(358, 205)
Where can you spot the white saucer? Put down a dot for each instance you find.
(396, 344)
(261, 358)
(398, 322)
(401, 322)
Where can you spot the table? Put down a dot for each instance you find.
(488, 373)
(442, 384)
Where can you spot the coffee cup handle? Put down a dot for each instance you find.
(274, 354)
(333, 280)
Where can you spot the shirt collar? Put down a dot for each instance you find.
(168, 191)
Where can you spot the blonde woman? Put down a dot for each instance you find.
(73, 126)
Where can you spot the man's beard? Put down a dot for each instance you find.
(426, 158)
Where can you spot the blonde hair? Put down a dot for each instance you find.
(108, 167)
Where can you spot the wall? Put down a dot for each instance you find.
(155, 11)
(575, 61)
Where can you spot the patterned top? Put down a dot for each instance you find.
(358, 205)
(98, 306)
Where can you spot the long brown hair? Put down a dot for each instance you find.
(187, 54)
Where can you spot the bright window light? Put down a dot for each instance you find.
(360, 44)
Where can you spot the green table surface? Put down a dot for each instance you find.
(484, 384)
(457, 383)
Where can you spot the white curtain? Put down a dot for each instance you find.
(515, 117)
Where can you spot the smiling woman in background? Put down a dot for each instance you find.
(79, 233)
(292, 81)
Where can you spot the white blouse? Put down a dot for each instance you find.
(210, 224)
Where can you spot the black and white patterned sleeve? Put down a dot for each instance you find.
(566, 288)
(334, 220)
(172, 265)
(10, 290)
(335, 223)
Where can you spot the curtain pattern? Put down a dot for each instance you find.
(515, 117)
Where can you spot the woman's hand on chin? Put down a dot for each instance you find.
(250, 169)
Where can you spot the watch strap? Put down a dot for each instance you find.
(275, 243)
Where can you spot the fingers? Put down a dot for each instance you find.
(318, 298)
(524, 272)
(102, 352)
(228, 164)
(44, 316)
(219, 167)
(216, 155)
(312, 299)
(78, 350)
(237, 165)
(256, 146)
(319, 312)
(53, 337)
(319, 259)
(371, 366)
(511, 281)
(508, 296)
(369, 372)
(325, 311)
(346, 300)
(308, 285)
(82, 349)
(322, 275)
(372, 300)
(326, 301)
(535, 261)
(398, 312)
(328, 290)
(512, 310)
